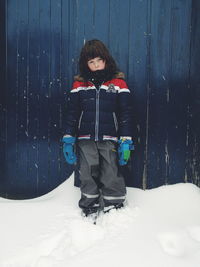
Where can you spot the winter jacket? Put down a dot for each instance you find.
(102, 113)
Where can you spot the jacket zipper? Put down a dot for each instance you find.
(97, 116)
(97, 112)
(115, 121)
(79, 124)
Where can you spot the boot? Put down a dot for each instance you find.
(113, 206)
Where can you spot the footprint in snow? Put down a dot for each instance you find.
(45, 262)
(172, 243)
(84, 234)
(194, 232)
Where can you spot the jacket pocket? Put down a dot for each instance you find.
(115, 121)
(80, 119)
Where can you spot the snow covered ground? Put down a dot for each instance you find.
(159, 227)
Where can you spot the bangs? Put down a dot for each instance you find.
(93, 52)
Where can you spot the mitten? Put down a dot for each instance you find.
(68, 149)
(124, 150)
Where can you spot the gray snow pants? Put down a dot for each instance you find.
(99, 174)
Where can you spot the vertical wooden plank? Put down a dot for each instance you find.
(67, 43)
(67, 69)
(33, 95)
(123, 34)
(55, 94)
(158, 159)
(119, 33)
(3, 98)
(101, 20)
(192, 171)
(137, 72)
(22, 101)
(84, 24)
(179, 79)
(44, 80)
(12, 20)
(114, 28)
(86, 18)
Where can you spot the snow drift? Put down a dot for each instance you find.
(158, 227)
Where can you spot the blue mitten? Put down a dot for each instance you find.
(68, 149)
(124, 150)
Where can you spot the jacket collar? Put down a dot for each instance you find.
(118, 75)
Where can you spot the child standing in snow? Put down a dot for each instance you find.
(99, 122)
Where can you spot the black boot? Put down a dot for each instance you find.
(113, 206)
(90, 210)
(91, 213)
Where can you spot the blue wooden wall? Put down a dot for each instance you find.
(155, 42)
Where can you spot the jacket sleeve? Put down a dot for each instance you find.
(125, 116)
(73, 111)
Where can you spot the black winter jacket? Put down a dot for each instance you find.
(102, 113)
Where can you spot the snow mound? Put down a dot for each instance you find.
(158, 227)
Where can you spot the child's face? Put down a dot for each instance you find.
(96, 63)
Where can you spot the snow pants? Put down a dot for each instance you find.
(101, 181)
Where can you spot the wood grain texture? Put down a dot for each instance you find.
(155, 43)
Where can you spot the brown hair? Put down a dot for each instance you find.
(95, 48)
